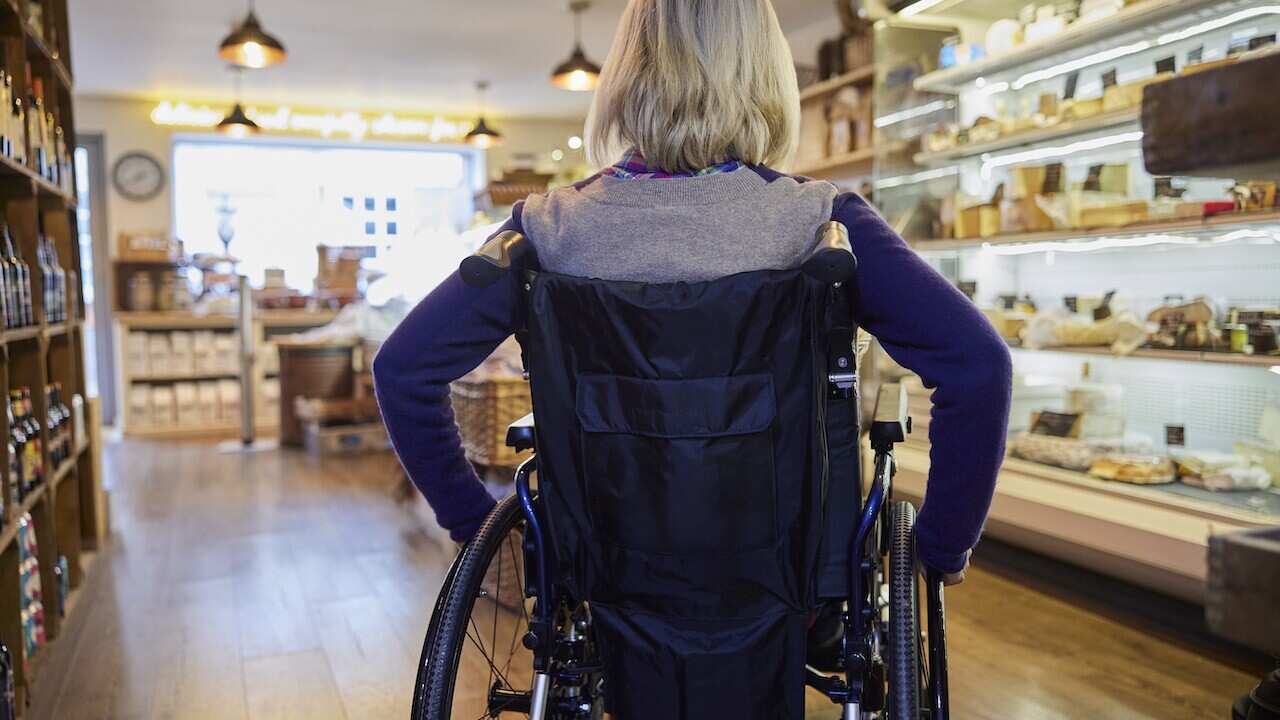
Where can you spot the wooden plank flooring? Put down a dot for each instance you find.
(270, 586)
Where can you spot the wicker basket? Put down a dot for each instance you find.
(483, 409)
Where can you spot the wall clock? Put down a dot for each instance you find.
(138, 176)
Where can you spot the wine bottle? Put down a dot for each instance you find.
(9, 272)
(33, 432)
(22, 448)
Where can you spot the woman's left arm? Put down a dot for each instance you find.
(929, 327)
(445, 337)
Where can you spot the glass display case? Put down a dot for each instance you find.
(1141, 311)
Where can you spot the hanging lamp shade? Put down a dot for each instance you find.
(577, 73)
(252, 47)
(482, 136)
(236, 124)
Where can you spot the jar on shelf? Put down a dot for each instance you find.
(142, 292)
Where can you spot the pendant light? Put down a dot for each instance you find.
(250, 46)
(482, 136)
(577, 73)
(237, 124)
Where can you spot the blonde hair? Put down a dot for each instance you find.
(694, 83)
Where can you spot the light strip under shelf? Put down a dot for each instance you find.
(1126, 50)
(900, 180)
(1127, 242)
(990, 163)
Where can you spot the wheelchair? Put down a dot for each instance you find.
(517, 631)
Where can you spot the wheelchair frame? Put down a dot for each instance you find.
(832, 262)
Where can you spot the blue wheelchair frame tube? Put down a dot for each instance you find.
(542, 607)
(857, 555)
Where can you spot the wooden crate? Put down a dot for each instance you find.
(1244, 582)
(345, 439)
(1217, 123)
(483, 409)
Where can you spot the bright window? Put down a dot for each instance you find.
(278, 200)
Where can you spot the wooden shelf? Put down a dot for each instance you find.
(1142, 19)
(174, 321)
(1223, 358)
(1029, 137)
(44, 188)
(30, 332)
(184, 378)
(10, 530)
(41, 48)
(197, 431)
(860, 76)
(63, 471)
(1225, 222)
(858, 162)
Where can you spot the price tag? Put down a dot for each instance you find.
(1195, 56)
(1109, 79)
(1175, 435)
(1073, 80)
(1166, 65)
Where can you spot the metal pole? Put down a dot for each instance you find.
(244, 321)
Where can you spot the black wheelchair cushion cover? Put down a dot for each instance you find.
(684, 474)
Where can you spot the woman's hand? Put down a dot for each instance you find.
(949, 579)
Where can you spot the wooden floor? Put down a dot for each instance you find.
(270, 586)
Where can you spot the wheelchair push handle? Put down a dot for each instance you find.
(832, 260)
(495, 258)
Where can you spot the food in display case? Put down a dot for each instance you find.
(1134, 469)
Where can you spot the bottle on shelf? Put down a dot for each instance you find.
(18, 125)
(22, 449)
(21, 294)
(60, 279)
(6, 118)
(44, 272)
(8, 691)
(9, 278)
(32, 426)
(17, 455)
(68, 432)
(39, 127)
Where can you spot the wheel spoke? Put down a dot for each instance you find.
(493, 668)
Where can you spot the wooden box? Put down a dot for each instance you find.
(1217, 123)
(1243, 584)
(345, 439)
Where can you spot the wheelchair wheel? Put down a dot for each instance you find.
(904, 616)
(474, 663)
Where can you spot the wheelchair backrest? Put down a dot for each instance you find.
(685, 442)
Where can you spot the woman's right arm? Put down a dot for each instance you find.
(445, 337)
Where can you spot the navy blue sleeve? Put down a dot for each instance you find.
(445, 337)
(929, 327)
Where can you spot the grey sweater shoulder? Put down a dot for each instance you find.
(677, 229)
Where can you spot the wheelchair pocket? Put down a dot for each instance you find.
(679, 467)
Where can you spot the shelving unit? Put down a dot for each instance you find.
(1134, 24)
(1196, 356)
(65, 508)
(267, 324)
(1157, 400)
(858, 162)
(1029, 137)
(1214, 225)
(860, 76)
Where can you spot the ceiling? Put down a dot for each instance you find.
(405, 55)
